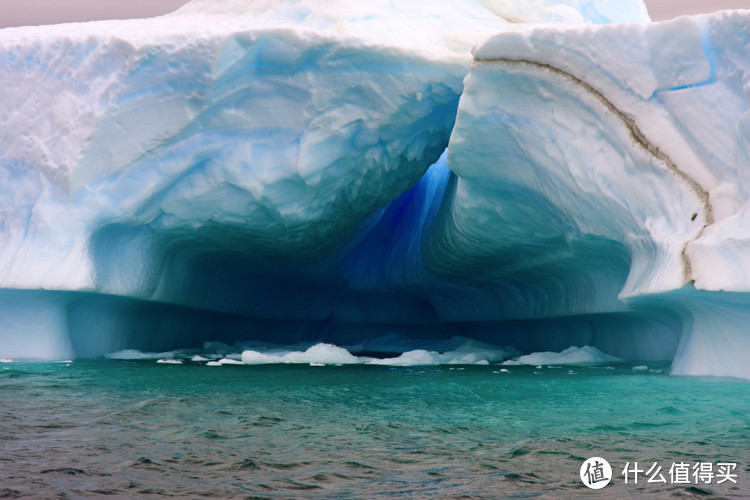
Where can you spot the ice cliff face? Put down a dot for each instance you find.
(284, 171)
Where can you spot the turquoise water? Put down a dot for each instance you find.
(137, 428)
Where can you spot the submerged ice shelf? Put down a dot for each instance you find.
(290, 172)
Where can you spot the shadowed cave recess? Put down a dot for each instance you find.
(252, 178)
(213, 284)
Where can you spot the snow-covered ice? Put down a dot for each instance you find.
(318, 354)
(466, 354)
(454, 351)
(573, 355)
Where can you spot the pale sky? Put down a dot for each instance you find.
(29, 12)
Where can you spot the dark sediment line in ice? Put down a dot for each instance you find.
(639, 138)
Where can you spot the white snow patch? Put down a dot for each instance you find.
(229, 361)
(571, 356)
(465, 352)
(322, 353)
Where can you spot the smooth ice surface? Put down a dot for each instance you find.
(623, 177)
(351, 179)
(649, 98)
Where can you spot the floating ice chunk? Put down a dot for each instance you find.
(271, 347)
(328, 354)
(410, 358)
(319, 364)
(213, 363)
(465, 352)
(198, 358)
(65, 361)
(5, 360)
(169, 361)
(571, 356)
(229, 361)
(322, 353)
(456, 350)
(640, 368)
(250, 357)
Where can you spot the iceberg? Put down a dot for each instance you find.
(601, 127)
(537, 174)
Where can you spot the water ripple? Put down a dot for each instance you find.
(126, 429)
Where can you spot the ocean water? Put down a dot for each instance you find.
(138, 428)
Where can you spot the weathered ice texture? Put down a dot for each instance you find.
(286, 171)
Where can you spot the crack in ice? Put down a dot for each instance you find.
(638, 137)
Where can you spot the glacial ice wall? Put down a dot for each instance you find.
(627, 136)
(286, 171)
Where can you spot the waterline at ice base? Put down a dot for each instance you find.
(429, 179)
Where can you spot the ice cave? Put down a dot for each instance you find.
(531, 174)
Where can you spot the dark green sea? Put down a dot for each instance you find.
(142, 429)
